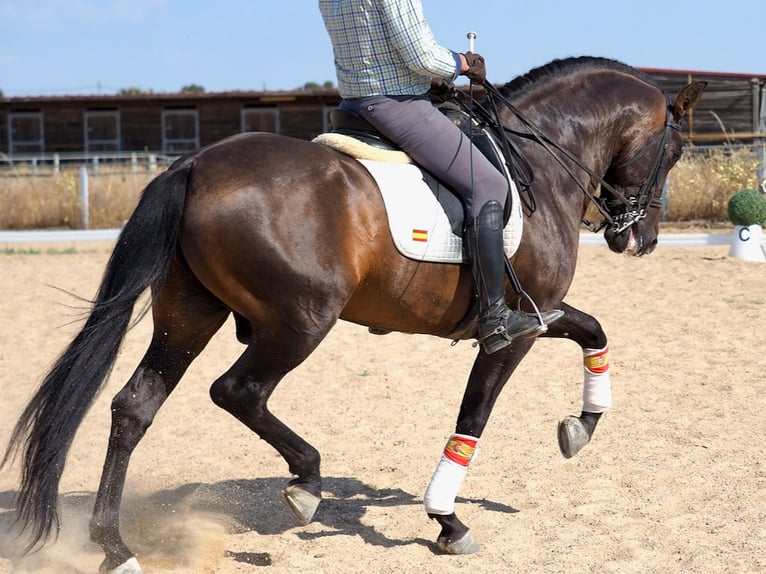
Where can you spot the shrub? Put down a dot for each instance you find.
(747, 207)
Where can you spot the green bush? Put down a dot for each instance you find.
(747, 207)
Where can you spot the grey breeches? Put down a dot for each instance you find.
(436, 144)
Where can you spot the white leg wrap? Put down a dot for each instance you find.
(129, 567)
(450, 472)
(597, 390)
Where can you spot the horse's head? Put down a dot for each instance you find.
(636, 178)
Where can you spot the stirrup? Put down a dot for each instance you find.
(508, 326)
(545, 318)
(494, 340)
(499, 338)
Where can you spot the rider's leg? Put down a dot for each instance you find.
(498, 324)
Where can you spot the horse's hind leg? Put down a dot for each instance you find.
(245, 389)
(574, 432)
(185, 318)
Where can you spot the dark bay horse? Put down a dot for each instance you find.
(291, 236)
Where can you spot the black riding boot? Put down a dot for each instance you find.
(498, 325)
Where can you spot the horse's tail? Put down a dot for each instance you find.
(47, 426)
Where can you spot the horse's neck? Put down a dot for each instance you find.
(589, 126)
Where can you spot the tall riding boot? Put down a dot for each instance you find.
(498, 325)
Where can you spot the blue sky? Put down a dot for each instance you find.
(51, 47)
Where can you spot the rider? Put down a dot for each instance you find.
(386, 58)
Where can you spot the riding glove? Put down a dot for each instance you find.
(476, 71)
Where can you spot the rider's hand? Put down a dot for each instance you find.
(442, 89)
(476, 69)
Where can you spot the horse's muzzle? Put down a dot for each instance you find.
(637, 240)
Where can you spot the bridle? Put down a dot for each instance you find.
(635, 205)
(646, 197)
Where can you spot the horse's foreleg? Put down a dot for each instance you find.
(487, 379)
(574, 432)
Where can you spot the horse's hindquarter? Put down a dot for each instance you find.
(274, 225)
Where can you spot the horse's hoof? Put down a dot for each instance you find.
(129, 567)
(572, 436)
(464, 545)
(302, 503)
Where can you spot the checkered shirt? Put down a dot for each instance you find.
(385, 47)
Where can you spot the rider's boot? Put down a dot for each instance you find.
(498, 324)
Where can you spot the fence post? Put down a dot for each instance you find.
(56, 164)
(84, 197)
(762, 129)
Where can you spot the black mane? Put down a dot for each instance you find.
(560, 67)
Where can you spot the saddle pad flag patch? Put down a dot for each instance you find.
(419, 227)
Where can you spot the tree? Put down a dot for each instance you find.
(133, 91)
(193, 89)
(328, 85)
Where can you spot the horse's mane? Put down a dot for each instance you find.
(566, 66)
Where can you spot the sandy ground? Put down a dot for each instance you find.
(674, 480)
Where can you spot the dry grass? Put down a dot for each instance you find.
(699, 188)
(47, 200)
(701, 184)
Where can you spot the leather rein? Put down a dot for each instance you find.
(636, 205)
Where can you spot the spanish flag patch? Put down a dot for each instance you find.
(420, 235)
(460, 449)
(598, 362)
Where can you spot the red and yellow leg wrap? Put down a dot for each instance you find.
(597, 390)
(450, 472)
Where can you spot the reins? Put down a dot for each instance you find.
(636, 206)
(506, 143)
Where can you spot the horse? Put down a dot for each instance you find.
(289, 236)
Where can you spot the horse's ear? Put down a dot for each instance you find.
(687, 99)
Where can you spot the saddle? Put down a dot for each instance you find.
(355, 126)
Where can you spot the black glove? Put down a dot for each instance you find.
(441, 89)
(476, 71)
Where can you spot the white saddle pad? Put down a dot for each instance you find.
(419, 226)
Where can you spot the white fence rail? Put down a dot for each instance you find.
(49, 164)
(64, 236)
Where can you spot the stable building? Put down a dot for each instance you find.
(733, 108)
